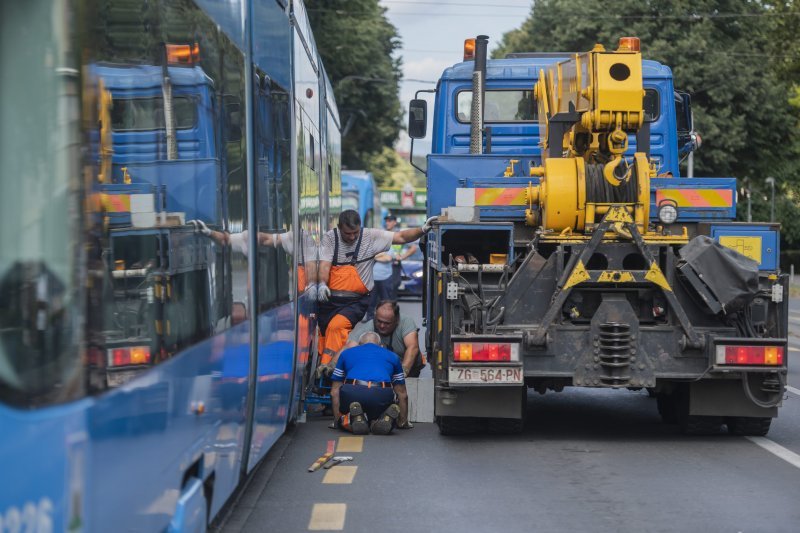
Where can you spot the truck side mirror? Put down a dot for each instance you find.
(685, 122)
(232, 109)
(418, 119)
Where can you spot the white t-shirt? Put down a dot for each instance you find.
(373, 242)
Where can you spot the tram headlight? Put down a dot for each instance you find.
(668, 212)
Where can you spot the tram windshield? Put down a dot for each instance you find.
(39, 210)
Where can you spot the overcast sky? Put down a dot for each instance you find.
(433, 35)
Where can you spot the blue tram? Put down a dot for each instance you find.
(166, 171)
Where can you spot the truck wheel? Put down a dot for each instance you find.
(505, 426)
(693, 424)
(458, 425)
(700, 425)
(748, 425)
(666, 408)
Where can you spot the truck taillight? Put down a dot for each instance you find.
(750, 355)
(130, 355)
(485, 351)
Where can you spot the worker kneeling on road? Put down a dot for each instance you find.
(345, 277)
(398, 333)
(365, 381)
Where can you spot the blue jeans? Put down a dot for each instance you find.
(374, 400)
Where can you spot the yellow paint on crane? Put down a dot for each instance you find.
(615, 276)
(578, 275)
(656, 276)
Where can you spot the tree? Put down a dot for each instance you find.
(394, 171)
(723, 52)
(356, 42)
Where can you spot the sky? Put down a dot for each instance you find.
(433, 36)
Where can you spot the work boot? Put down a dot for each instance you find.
(358, 420)
(384, 424)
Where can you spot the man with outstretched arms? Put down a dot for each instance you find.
(345, 276)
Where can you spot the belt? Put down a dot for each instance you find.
(369, 384)
(348, 294)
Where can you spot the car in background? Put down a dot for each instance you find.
(411, 276)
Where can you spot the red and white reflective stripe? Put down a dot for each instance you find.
(750, 355)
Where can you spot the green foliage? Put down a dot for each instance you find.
(738, 59)
(392, 170)
(356, 42)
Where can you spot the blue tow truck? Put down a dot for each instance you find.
(570, 251)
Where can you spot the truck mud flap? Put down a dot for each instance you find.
(724, 398)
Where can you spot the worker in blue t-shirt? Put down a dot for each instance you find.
(365, 381)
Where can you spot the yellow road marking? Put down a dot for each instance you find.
(327, 517)
(340, 475)
(350, 444)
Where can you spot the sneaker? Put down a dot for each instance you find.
(358, 421)
(384, 424)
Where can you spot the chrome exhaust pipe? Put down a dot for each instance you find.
(478, 91)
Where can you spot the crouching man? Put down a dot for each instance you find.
(365, 381)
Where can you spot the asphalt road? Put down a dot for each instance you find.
(589, 460)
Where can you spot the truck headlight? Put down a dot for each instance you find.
(417, 274)
(668, 212)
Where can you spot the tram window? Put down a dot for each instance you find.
(40, 302)
(145, 114)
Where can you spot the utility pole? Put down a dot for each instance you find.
(747, 194)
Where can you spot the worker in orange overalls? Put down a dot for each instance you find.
(345, 277)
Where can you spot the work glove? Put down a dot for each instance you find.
(200, 227)
(311, 291)
(323, 292)
(428, 223)
(324, 371)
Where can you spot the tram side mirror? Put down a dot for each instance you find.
(418, 119)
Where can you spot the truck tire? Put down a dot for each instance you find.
(700, 425)
(693, 424)
(458, 425)
(505, 426)
(748, 426)
(666, 408)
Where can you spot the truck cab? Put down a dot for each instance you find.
(512, 113)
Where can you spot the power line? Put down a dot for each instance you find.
(458, 4)
(689, 16)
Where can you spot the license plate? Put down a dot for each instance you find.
(118, 378)
(499, 375)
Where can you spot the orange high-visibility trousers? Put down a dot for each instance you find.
(335, 337)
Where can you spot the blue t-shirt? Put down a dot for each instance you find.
(383, 271)
(369, 362)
